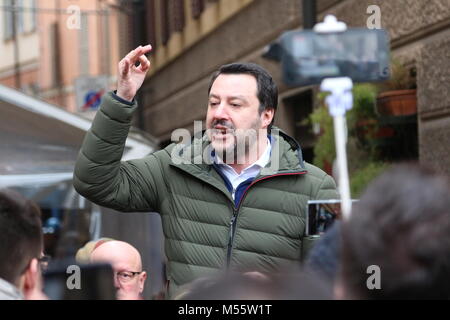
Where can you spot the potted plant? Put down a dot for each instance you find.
(397, 96)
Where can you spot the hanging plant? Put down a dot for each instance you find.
(397, 96)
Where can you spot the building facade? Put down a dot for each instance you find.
(195, 40)
(19, 43)
(56, 42)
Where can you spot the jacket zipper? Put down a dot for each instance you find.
(231, 235)
(236, 210)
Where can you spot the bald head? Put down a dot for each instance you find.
(119, 254)
(124, 258)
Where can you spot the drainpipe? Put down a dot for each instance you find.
(139, 38)
(17, 77)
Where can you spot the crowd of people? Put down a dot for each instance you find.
(233, 210)
(401, 225)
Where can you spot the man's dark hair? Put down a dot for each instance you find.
(289, 284)
(401, 225)
(267, 89)
(20, 234)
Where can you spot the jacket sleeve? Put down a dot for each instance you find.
(327, 189)
(101, 176)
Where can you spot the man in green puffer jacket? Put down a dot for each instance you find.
(233, 199)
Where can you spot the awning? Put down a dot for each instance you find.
(39, 144)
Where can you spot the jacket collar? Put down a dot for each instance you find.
(8, 291)
(194, 158)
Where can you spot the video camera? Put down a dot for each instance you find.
(307, 57)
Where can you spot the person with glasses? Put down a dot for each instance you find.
(129, 278)
(21, 247)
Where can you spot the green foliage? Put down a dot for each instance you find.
(362, 119)
(324, 149)
(401, 78)
(364, 97)
(362, 124)
(363, 109)
(363, 176)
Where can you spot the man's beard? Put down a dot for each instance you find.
(245, 141)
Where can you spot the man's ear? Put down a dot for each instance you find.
(31, 276)
(267, 116)
(32, 282)
(339, 290)
(142, 278)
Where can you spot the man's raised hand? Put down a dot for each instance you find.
(130, 77)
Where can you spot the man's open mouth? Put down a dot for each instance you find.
(222, 131)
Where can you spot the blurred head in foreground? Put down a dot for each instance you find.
(287, 285)
(21, 247)
(396, 245)
(129, 278)
(83, 255)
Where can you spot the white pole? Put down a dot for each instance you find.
(339, 102)
(341, 154)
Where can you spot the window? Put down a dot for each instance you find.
(298, 108)
(19, 16)
(55, 54)
(19, 10)
(8, 12)
(150, 19)
(177, 15)
(165, 27)
(197, 7)
(31, 16)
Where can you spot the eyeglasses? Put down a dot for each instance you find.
(43, 262)
(126, 276)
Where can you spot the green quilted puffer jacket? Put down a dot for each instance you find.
(205, 231)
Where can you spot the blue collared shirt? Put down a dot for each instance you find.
(237, 183)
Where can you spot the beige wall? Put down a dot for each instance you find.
(178, 91)
(70, 55)
(38, 61)
(27, 78)
(28, 52)
(195, 30)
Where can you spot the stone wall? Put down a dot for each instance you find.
(434, 104)
(177, 94)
